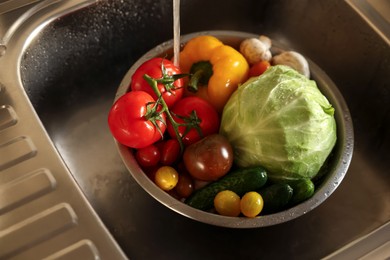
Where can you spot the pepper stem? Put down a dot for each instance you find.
(200, 74)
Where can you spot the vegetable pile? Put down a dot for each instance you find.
(234, 132)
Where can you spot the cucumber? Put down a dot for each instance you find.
(239, 181)
(302, 190)
(275, 197)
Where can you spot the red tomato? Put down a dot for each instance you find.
(170, 151)
(258, 68)
(128, 123)
(171, 93)
(148, 156)
(194, 109)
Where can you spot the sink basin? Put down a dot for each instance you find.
(70, 69)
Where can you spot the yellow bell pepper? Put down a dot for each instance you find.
(215, 69)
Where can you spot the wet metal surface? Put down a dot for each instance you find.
(72, 70)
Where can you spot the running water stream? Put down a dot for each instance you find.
(176, 31)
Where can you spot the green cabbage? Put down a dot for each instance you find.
(282, 121)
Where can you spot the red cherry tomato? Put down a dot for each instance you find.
(185, 185)
(194, 109)
(153, 67)
(148, 156)
(151, 172)
(258, 68)
(128, 123)
(170, 151)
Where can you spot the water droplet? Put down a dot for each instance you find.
(3, 49)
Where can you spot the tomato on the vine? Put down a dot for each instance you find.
(200, 119)
(135, 121)
(163, 71)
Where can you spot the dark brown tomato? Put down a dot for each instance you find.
(209, 159)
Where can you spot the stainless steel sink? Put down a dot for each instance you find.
(69, 58)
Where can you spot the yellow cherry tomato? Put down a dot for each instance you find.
(166, 178)
(227, 203)
(251, 204)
